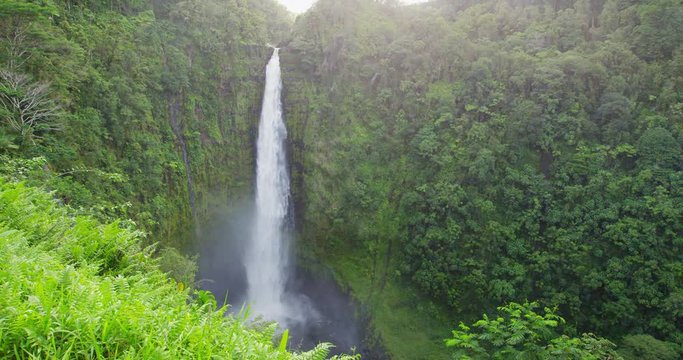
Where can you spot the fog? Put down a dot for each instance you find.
(326, 313)
(300, 6)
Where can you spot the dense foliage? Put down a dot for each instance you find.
(73, 288)
(447, 158)
(496, 151)
(135, 109)
(518, 332)
(163, 94)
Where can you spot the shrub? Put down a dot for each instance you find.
(71, 287)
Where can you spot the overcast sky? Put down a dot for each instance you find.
(299, 6)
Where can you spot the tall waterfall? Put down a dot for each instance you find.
(267, 254)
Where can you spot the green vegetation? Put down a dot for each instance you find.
(491, 152)
(73, 288)
(447, 158)
(126, 109)
(407, 322)
(520, 333)
(163, 94)
(645, 347)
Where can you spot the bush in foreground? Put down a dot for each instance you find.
(518, 332)
(73, 288)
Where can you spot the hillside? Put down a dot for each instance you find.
(74, 288)
(155, 103)
(520, 159)
(451, 157)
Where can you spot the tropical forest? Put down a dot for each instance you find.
(341, 179)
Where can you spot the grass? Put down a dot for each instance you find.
(73, 288)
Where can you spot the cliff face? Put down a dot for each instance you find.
(445, 150)
(158, 104)
(343, 170)
(219, 125)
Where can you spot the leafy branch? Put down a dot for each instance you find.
(29, 107)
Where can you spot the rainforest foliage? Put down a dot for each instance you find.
(447, 158)
(496, 151)
(74, 288)
(139, 109)
(518, 332)
(128, 109)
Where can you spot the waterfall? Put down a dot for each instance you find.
(267, 254)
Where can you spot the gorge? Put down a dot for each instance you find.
(258, 275)
(411, 169)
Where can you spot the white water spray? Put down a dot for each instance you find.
(267, 255)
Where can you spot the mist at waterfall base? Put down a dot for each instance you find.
(249, 258)
(222, 271)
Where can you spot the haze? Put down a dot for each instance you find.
(300, 6)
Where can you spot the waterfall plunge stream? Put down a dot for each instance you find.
(246, 254)
(267, 256)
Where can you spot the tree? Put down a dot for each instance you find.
(646, 347)
(28, 106)
(520, 333)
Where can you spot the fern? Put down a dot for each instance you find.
(73, 287)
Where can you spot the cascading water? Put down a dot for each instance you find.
(268, 252)
(312, 307)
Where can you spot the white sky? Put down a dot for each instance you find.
(299, 6)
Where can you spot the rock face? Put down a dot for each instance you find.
(216, 133)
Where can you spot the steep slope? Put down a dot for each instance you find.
(447, 157)
(495, 151)
(73, 288)
(156, 103)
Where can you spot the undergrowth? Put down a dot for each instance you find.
(74, 288)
